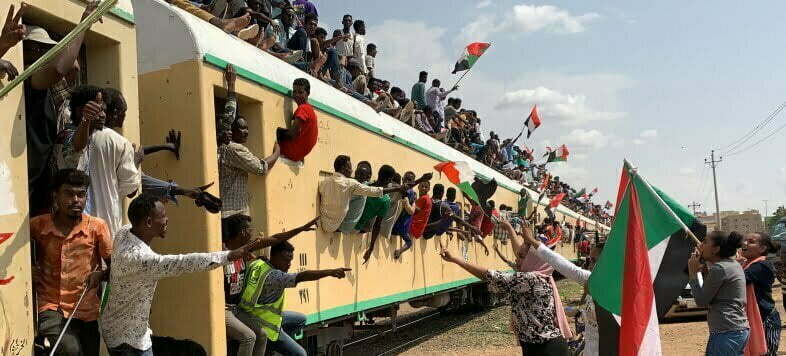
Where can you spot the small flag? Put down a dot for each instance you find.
(556, 200)
(460, 174)
(533, 121)
(608, 205)
(581, 193)
(559, 155)
(472, 53)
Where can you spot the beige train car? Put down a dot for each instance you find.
(108, 59)
(181, 62)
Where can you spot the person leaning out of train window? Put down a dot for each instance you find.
(299, 139)
(235, 160)
(70, 245)
(337, 190)
(533, 302)
(263, 297)
(358, 202)
(237, 231)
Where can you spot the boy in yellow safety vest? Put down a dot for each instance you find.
(263, 297)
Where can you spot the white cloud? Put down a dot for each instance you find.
(568, 109)
(638, 141)
(400, 59)
(525, 19)
(581, 139)
(531, 18)
(649, 133)
(483, 4)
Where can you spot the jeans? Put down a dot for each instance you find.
(243, 328)
(81, 338)
(728, 343)
(126, 350)
(292, 324)
(333, 64)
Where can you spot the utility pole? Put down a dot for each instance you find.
(713, 163)
(694, 205)
(765, 213)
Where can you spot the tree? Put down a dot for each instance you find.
(769, 221)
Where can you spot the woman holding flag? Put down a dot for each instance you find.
(723, 291)
(759, 276)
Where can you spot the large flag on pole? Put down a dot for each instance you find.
(642, 268)
(533, 121)
(460, 174)
(472, 53)
(556, 200)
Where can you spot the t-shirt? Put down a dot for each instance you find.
(297, 148)
(234, 278)
(476, 216)
(420, 218)
(375, 207)
(401, 227)
(522, 210)
(437, 209)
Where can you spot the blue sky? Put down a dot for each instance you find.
(660, 83)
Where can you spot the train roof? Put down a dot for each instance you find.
(167, 35)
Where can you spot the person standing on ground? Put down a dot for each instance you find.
(760, 274)
(533, 306)
(723, 292)
(136, 269)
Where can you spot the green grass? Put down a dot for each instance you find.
(570, 292)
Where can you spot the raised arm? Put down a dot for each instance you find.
(562, 265)
(286, 235)
(306, 276)
(475, 270)
(65, 61)
(703, 294)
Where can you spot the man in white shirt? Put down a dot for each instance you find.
(371, 55)
(359, 45)
(108, 158)
(136, 269)
(344, 48)
(435, 98)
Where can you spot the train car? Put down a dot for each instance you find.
(169, 66)
(108, 58)
(181, 62)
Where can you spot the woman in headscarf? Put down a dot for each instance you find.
(543, 252)
(759, 277)
(534, 300)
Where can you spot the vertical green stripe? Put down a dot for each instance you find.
(466, 187)
(472, 59)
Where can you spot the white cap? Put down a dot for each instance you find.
(38, 34)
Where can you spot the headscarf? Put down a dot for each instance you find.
(531, 263)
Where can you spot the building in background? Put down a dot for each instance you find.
(747, 221)
(711, 222)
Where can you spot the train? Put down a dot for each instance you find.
(169, 65)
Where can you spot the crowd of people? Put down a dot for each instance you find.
(81, 168)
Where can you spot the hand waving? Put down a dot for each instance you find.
(174, 139)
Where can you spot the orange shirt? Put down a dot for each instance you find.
(66, 261)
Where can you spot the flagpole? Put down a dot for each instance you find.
(462, 77)
(663, 204)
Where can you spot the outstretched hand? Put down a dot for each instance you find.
(13, 30)
(173, 138)
(447, 256)
(340, 272)
(7, 67)
(92, 5)
(309, 226)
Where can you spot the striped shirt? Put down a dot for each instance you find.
(235, 162)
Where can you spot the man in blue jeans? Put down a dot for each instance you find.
(263, 297)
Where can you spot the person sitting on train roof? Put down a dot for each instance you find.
(13, 32)
(136, 269)
(263, 297)
(236, 161)
(299, 139)
(105, 155)
(336, 191)
(45, 92)
(116, 108)
(233, 26)
(60, 281)
(236, 231)
(358, 202)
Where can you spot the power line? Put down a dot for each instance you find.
(745, 138)
(743, 150)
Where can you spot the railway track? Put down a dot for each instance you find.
(410, 330)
